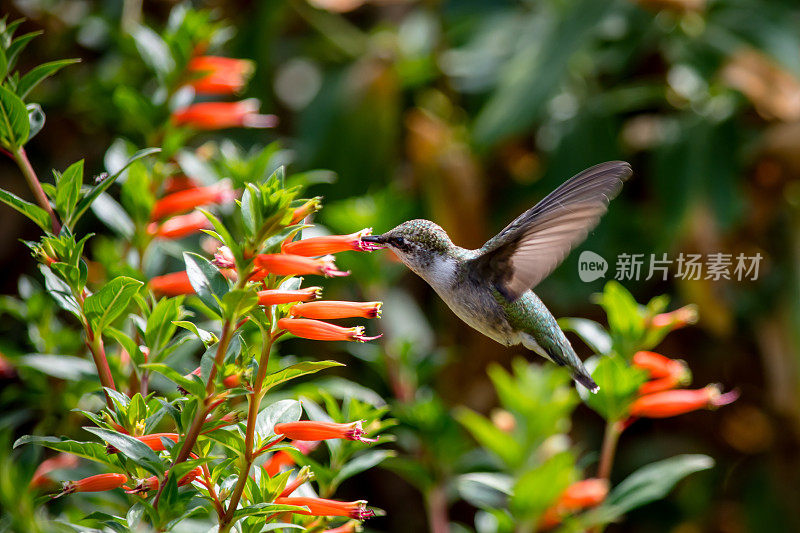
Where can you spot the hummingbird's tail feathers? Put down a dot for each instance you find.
(562, 354)
(585, 380)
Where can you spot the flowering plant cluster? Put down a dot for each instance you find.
(220, 440)
(540, 485)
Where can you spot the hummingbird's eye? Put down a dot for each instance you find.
(398, 242)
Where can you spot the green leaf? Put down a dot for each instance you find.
(363, 462)
(266, 508)
(534, 73)
(3, 64)
(295, 371)
(109, 302)
(32, 211)
(94, 451)
(60, 291)
(485, 490)
(206, 337)
(624, 318)
(68, 187)
(238, 302)
(490, 437)
(101, 187)
(66, 367)
(161, 322)
(134, 449)
(538, 488)
(618, 384)
(14, 124)
(206, 279)
(113, 215)
(18, 44)
(650, 483)
(37, 74)
(590, 332)
(154, 51)
(279, 412)
(194, 387)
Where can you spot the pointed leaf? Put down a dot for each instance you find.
(295, 371)
(14, 124)
(109, 302)
(35, 76)
(32, 211)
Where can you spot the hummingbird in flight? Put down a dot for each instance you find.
(491, 288)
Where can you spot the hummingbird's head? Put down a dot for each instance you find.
(417, 243)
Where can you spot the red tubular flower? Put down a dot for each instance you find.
(61, 461)
(310, 430)
(280, 458)
(322, 507)
(179, 226)
(172, 284)
(677, 402)
(323, 331)
(153, 441)
(676, 319)
(579, 495)
(296, 265)
(277, 296)
(98, 483)
(219, 75)
(329, 244)
(186, 200)
(333, 309)
(669, 373)
(221, 115)
(179, 183)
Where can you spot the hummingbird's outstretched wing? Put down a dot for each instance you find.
(533, 245)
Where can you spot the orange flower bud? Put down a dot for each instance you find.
(677, 402)
(322, 507)
(152, 482)
(179, 226)
(329, 244)
(305, 474)
(219, 75)
(311, 206)
(186, 200)
(309, 430)
(98, 483)
(322, 331)
(333, 309)
(676, 319)
(221, 115)
(277, 296)
(579, 495)
(234, 380)
(61, 461)
(172, 284)
(296, 265)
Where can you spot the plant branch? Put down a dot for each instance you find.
(202, 410)
(24, 164)
(254, 402)
(95, 344)
(610, 439)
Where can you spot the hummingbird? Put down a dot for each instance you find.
(491, 288)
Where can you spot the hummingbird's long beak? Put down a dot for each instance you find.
(378, 241)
